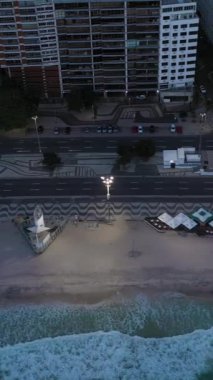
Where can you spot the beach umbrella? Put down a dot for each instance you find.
(202, 215)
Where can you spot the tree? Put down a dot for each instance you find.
(88, 97)
(80, 97)
(51, 160)
(145, 148)
(16, 105)
(74, 99)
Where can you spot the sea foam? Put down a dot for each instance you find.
(109, 356)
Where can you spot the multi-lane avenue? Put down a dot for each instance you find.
(130, 188)
(104, 143)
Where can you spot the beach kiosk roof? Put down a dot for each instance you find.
(202, 215)
(165, 217)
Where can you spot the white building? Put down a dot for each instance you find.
(181, 158)
(205, 8)
(179, 25)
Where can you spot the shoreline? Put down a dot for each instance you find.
(113, 295)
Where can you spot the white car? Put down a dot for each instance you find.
(173, 128)
(140, 129)
(202, 89)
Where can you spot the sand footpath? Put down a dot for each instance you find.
(90, 262)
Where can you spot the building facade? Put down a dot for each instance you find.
(178, 49)
(115, 47)
(205, 8)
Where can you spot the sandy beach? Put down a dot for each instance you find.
(89, 262)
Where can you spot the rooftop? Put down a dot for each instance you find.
(175, 2)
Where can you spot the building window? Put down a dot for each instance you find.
(180, 77)
(166, 27)
(165, 34)
(165, 56)
(175, 34)
(165, 49)
(172, 78)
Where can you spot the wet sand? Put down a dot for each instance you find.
(88, 264)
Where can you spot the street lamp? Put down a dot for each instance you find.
(158, 95)
(36, 127)
(107, 181)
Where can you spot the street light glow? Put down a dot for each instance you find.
(107, 181)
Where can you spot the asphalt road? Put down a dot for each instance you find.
(98, 144)
(130, 187)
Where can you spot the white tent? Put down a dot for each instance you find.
(180, 218)
(211, 223)
(173, 223)
(202, 215)
(165, 217)
(189, 223)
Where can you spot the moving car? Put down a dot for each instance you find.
(173, 128)
(67, 130)
(179, 129)
(40, 129)
(202, 89)
(56, 131)
(140, 129)
(152, 128)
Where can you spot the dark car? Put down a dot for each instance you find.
(67, 130)
(40, 129)
(152, 128)
(179, 129)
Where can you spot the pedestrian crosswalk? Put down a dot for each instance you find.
(127, 115)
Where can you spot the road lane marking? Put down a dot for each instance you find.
(34, 189)
(134, 182)
(62, 183)
(7, 189)
(23, 151)
(134, 188)
(36, 183)
(208, 188)
(88, 147)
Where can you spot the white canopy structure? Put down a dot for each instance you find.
(211, 223)
(189, 223)
(165, 217)
(173, 223)
(202, 215)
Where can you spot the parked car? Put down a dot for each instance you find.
(98, 130)
(140, 129)
(202, 89)
(67, 130)
(173, 128)
(86, 130)
(141, 97)
(56, 131)
(134, 129)
(116, 129)
(109, 129)
(152, 128)
(104, 129)
(40, 129)
(179, 129)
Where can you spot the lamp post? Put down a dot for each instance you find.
(202, 120)
(108, 181)
(36, 128)
(158, 95)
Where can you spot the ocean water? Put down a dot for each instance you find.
(167, 337)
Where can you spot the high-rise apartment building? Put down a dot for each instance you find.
(179, 26)
(115, 47)
(205, 8)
